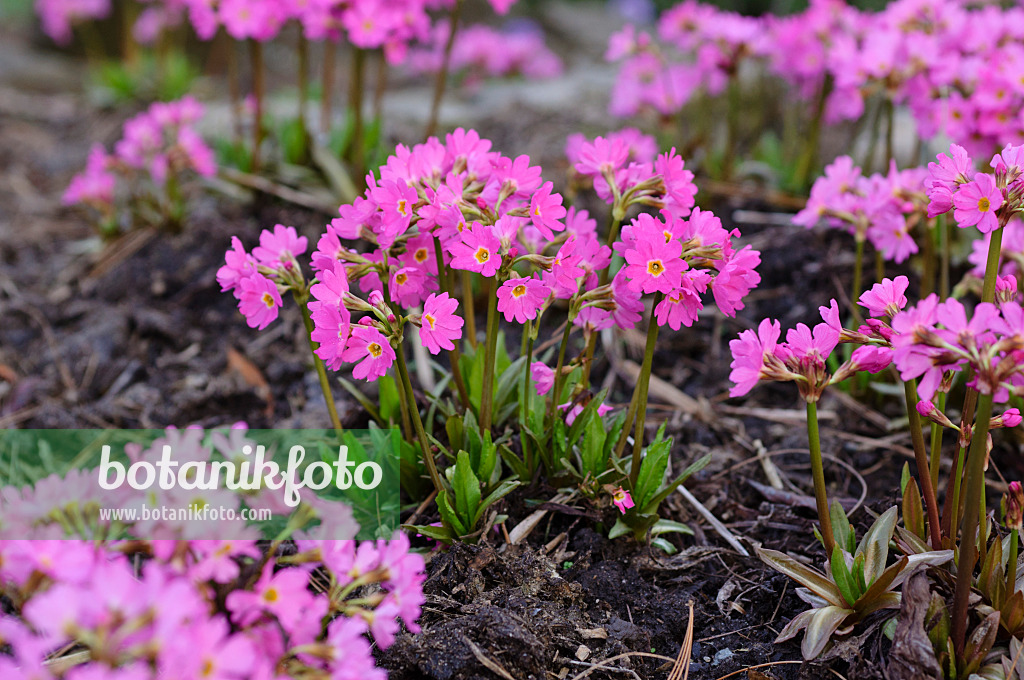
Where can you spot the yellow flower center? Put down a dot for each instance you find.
(374, 349)
(401, 278)
(430, 320)
(268, 300)
(519, 291)
(207, 669)
(460, 226)
(402, 206)
(421, 255)
(270, 595)
(655, 268)
(482, 255)
(668, 236)
(984, 204)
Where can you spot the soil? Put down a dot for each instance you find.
(138, 334)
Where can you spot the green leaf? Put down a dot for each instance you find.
(979, 644)
(841, 531)
(504, 489)
(905, 478)
(593, 460)
(466, 487)
(913, 509)
(389, 400)
(652, 472)
(441, 533)
(655, 501)
(875, 544)
(619, 529)
(822, 624)
(841, 576)
(667, 526)
(664, 545)
(449, 516)
(363, 400)
(810, 578)
(879, 587)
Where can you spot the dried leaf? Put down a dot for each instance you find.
(912, 656)
(253, 377)
(817, 582)
(820, 627)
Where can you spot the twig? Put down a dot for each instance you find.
(490, 664)
(722, 530)
(770, 471)
(778, 663)
(274, 189)
(624, 655)
(422, 508)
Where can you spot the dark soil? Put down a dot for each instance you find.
(95, 335)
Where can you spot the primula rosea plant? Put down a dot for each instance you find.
(443, 220)
(929, 344)
(144, 181)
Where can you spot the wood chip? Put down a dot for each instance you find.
(253, 377)
(583, 653)
(593, 633)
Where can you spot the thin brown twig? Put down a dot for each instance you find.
(777, 663)
(624, 655)
(681, 668)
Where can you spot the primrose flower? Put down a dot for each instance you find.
(370, 351)
(408, 285)
(543, 377)
(976, 203)
(653, 262)
(280, 247)
(331, 325)
(1014, 501)
(478, 250)
(750, 352)
(439, 325)
(546, 210)
(886, 298)
(259, 300)
(238, 265)
(622, 500)
(522, 299)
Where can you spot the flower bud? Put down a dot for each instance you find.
(928, 410)
(1009, 418)
(1006, 288)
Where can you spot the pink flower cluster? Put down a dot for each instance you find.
(482, 52)
(157, 149)
(58, 17)
(956, 67)
(167, 616)
(802, 358)
(880, 209)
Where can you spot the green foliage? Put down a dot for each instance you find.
(147, 78)
(856, 581)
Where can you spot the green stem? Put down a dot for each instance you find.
(969, 538)
(818, 475)
(258, 86)
(923, 472)
(879, 266)
(303, 84)
(995, 250)
(956, 482)
(321, 370)
(442, 76)
(643, 383)
(890, 129)
(588, 357)
(467, 304)
(524, 405)
(487, 397)
(357, 147)
(327, 86)
(944, 240)
(453, 354)
(810, 151)
(620, 445)
(936, 444)
(428, 456)
(556, 393)
(234, 88)
(928, 260)
(858, 273)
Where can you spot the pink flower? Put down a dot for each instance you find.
(886, 298)
(602, 156)
(749, 352)
(408, 285)
(521, 299)
(543, 377)
(546, 210)
(976, 203)
(280, 247)
(370, 351)
(622, 500)
(331, 324)
(478, 250)
(238, 265)
(259, 300)
(439, 325)
(681, 306)
(284, 594)
(654, 263)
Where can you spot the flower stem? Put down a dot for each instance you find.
(428, 456)
(928, 260)
(936, 443)
(524, 405)
(487, 397)
(556, 392)
(454, 354)
(321, 370)
(357, 147)
(442, 75)
(858, 272)
(642, 383)
(256, 61)
(921, 456)
(945, 248)
(995, 250)
(818, 474)
(327, 86)
(969, 539)
(588, 357)
(467, 304)
(810, 150)
(303, 80)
